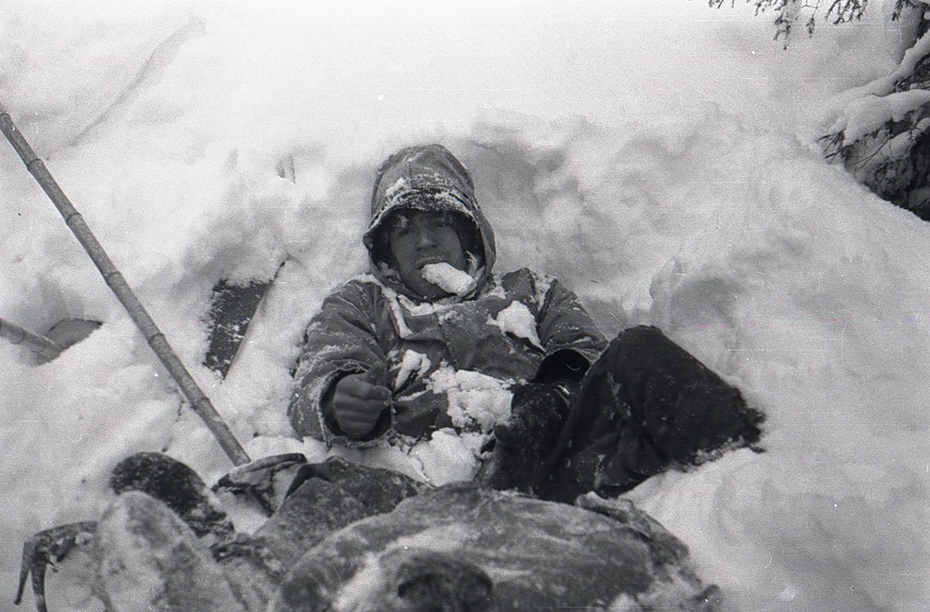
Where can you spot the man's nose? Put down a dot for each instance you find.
(425, 238)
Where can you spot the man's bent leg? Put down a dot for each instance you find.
(645, 404)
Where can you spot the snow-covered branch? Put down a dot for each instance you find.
(790, 12)
(880, 131)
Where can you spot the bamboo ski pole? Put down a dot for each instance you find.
(32, 341)
(156, 339)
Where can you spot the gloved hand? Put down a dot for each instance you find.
(537, 412)
(520, 451)
(358, 403)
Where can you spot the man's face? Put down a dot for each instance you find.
(420, 238)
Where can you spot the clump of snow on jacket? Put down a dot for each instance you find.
(449, 363)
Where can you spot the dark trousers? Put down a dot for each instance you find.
(644, 405)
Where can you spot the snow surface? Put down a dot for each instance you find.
(657, 157)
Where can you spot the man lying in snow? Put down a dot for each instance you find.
(585, 415)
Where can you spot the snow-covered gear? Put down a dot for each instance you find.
(177, 486)
(151, 560)
(507, 327)
(350, 536)
(158, 495)
(266, 480)
(49, 547)
(325, 497)
(465, 547)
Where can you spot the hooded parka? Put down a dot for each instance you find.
(505, 327)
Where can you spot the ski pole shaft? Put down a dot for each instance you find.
(155, 338)
(32, 341)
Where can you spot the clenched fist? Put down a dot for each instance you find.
(357, 404)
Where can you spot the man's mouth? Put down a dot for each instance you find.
(429, 260)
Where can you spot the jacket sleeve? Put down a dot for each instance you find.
(568, 335)
(340, 340)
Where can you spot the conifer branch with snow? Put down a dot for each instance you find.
(789, 12)
(880, 132)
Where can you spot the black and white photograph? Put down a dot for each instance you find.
(465, 306)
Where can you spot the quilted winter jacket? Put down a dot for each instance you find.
(504, 328)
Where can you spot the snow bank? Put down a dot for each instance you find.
(204, 141)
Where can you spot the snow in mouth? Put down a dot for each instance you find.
(448, 278)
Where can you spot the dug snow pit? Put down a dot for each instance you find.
(448, 278)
